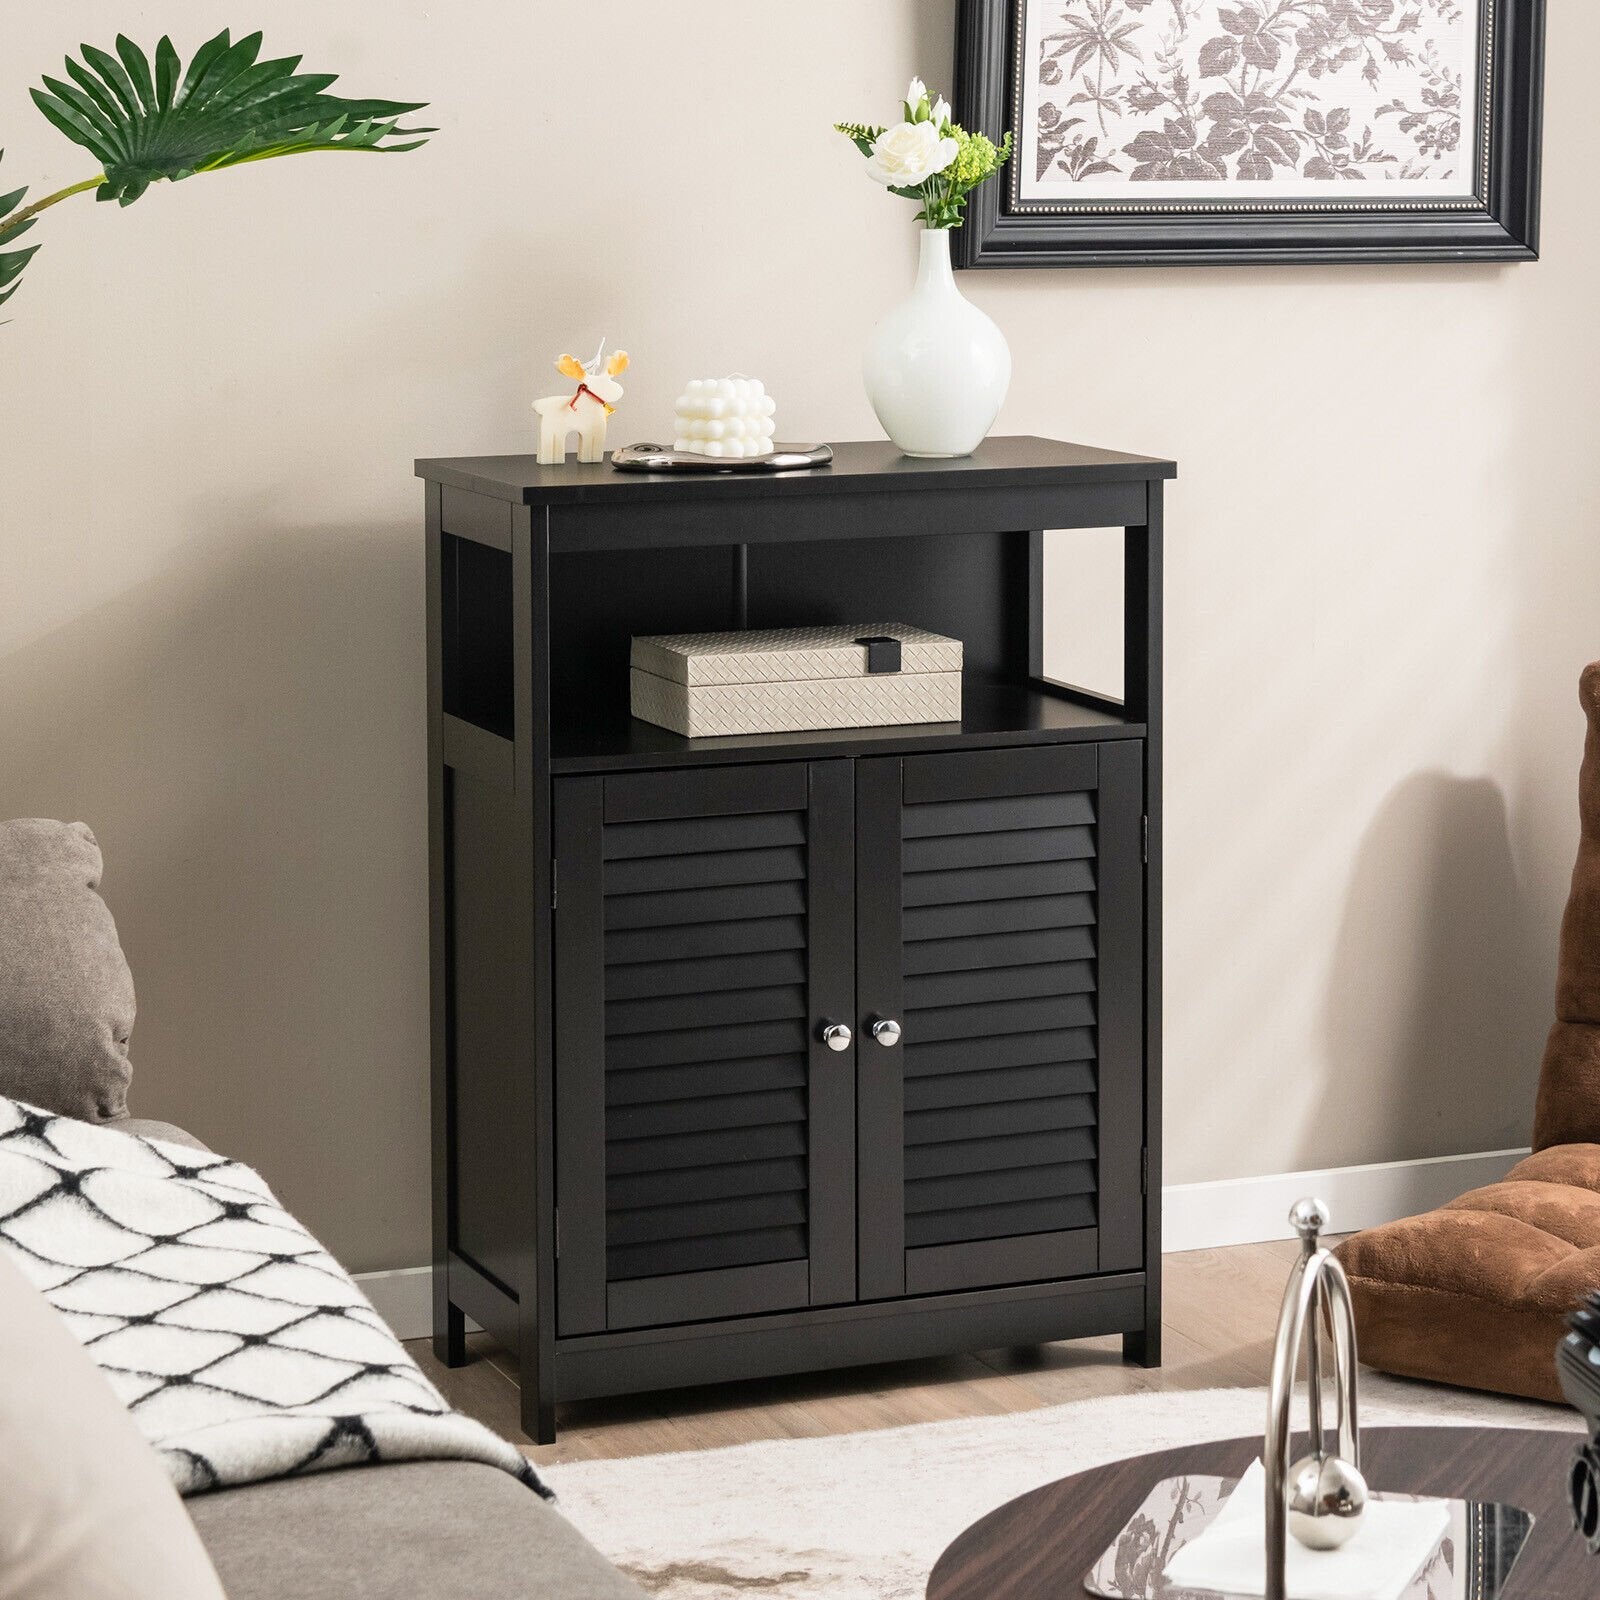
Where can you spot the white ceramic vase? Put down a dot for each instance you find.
(936, 368)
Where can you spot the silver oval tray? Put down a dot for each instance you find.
(661, 458)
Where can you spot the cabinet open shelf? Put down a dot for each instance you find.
(994, 713)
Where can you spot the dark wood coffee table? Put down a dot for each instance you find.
(1040, 1545)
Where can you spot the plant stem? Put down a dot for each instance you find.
(18, 217)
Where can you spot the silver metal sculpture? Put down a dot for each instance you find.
(1320, 1498)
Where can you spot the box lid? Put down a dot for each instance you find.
(779, 655)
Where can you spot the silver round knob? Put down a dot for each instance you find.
(836, 1035)
(886, 1031)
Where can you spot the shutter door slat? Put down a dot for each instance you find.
(697, 835)
(648, 979)
(684, 1185)
(706, 1043)
(998, 950)
(708, 939)
(1055, 1148)
(925, 1060)
(998, 916)
(999, 1188)
(662, 1258)
(724, 1146)
(662, 1117)
(1053, 1079)
(1001, 1017)
(735, 1214)
(998, 849)
(700, 1078)
(1005, 812)
(697, 1011)
(999, 883)
(991, 984)
(1000, 982)
(654, 874)
(681, 906)
(1000, 1222)
(682, 1046)
(988, 1122)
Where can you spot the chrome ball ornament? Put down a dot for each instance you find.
(1326, 1498)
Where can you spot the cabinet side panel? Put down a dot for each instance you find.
(1122, 1065)
(492, 1031)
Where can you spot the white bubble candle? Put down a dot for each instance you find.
(725, 417)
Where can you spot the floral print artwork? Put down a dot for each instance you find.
(1141, 101)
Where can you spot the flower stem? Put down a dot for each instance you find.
(17, 218)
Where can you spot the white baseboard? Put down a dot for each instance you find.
(403, 1298)
(1203, 1216)
(1196, 1216)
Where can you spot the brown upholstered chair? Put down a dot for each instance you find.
(1475, 1293)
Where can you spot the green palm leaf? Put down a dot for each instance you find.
(146, 122)
(12, 261)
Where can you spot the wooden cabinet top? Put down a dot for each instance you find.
(861, 468)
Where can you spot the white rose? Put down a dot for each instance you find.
(906, 156)
(916, 94)
(941, 112)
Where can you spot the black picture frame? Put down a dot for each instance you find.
(1501, 222)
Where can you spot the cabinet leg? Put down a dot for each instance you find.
(538, 1415)
(450, 1336)
(1143, 1349)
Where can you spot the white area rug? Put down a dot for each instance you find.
(864, 1516)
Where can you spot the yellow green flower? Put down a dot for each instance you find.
(975, 159)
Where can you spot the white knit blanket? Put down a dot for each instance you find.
(239, 1345)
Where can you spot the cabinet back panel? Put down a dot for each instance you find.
(601, 598)
(971, 587)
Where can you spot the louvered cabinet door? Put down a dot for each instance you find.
(999, 902)
(705, 1135)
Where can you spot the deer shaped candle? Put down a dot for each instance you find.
(585, 412)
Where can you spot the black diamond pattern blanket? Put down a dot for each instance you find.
(242, 1349)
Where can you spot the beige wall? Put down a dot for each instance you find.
(1383, 574)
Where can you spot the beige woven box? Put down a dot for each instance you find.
(787, 680)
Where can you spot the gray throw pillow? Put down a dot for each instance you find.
(66, 994)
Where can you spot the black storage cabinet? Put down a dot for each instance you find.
(754, 1055)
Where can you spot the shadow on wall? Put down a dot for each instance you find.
(244, 731)
(1436, 1006)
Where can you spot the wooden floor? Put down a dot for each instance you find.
(1221, 1308)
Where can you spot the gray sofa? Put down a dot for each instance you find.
(415, 1530)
